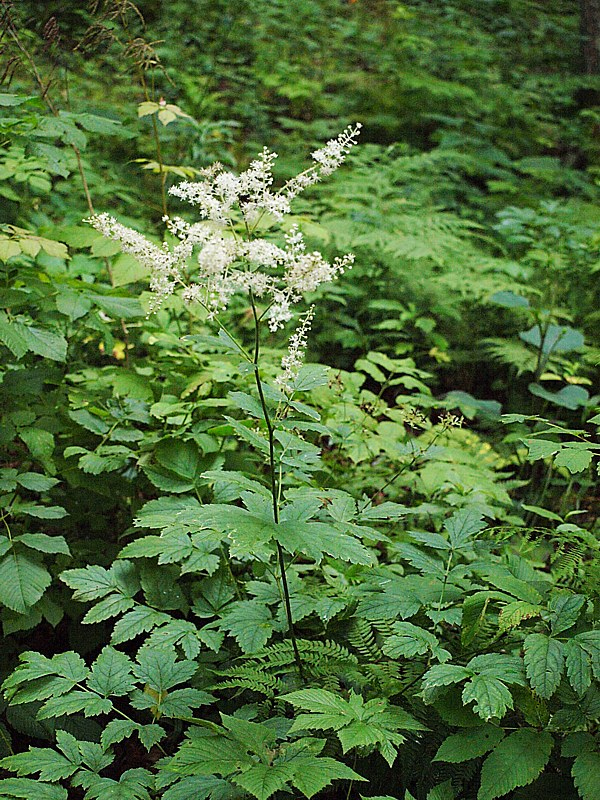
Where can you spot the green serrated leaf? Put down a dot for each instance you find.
(73, 703)
(515, 761)
(27, 789)
(110, 606)
(263, 780)
(575, 460)
(23, 580)
(312, 774)
(579, 666)
(470, 743)
(586, 775)
(564, 611)
(44, 543)
(544, 663)
(250, 623)
(52, 766)
(111, 673)
(160, 669)
(491, 696)
(140, 620)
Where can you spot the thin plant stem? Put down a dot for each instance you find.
(274, 488)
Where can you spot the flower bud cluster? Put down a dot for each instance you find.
(292, 362)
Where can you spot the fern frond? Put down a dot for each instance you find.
(362, 638)
(313, 653)
(246, 677)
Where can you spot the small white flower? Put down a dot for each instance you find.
(330, 157)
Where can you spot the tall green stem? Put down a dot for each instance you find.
(274, 489)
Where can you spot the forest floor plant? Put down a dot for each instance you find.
(231, 258)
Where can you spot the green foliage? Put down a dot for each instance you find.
(212, 587)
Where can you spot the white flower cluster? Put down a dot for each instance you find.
(252, 191)
(294, 359)
(227, 260)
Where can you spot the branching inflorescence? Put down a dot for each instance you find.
(230, 257)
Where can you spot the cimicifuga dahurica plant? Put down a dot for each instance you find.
(226, 253)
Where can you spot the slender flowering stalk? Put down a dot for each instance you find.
(220, 256)
(292, 362)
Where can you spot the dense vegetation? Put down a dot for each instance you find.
(228, 571)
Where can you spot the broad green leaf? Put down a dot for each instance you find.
(12, 333)
(46, 343)
(160, 669)
(118, 307)
(250, 623)
(509, 299)
(263, 780)
(321, 701)
(23, 581)
(111, 673)
(140, 620)
(571, 397)
(544, 662)
(443, 791)
(492, 698)
(579, 666)
(564, 610)
(9, 248)
(315, 539)
(505, 667)
(36, 482)
(90, 422)
(409, 640)
(512, 614)
(201, 787)
(209, 756)
(442, 675)
(575, 460)
(44, 543)
(463, 525)
(94, 582)
(117, 730)
(541, 448)
(516, 761)
(110, 606)
(542, 512)
(470, 743)
(52, 766)
(34, 665)
(28, 789)
(586, 775)
(312, 774)
(39, 511)
(310, 376)
(73, 703)
(556, 338)
(40, 443)
(150, 735)
(72, 304)
(180, 457)
(15, 99)
(181, 702)
(473, 616)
